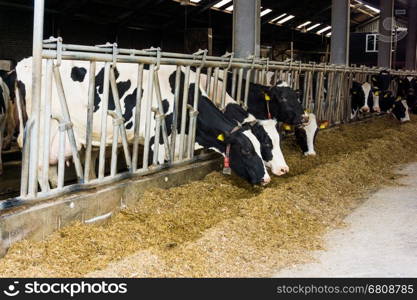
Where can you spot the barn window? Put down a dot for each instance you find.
(371, 43)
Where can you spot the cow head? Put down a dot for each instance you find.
(407, 90)
(285, 105)
(244, 156)
(397, 107)
(9, 78)
(266, 134)
(381, 81)
(306, 134)
(238, 144)
(361, 97)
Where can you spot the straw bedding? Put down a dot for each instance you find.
(222, 226)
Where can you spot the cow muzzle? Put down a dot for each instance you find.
(280, 170)
(265, 180)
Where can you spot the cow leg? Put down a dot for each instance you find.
(94, 155)
(53, 176)
(1, 144)
(10, 127)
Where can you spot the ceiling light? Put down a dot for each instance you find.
(312, 27)
(277, 18)
(265, 12)
(285, 19)
(222, 3)
(324, 29)
(304, 24)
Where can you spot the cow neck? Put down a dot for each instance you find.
(226, 163)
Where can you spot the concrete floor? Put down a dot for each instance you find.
(380, 239)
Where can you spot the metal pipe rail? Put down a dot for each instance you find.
(71, 49)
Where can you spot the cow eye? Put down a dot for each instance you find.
(268, 145)
(245, 151)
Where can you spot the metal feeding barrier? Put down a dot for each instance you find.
(325, 92)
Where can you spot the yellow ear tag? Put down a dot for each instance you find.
(307, 111)
(398, 98)
(354, 93)
(267, 98)
(287, 127)
(220, 137)
(376, 93)
(386, 96)
(324, 124)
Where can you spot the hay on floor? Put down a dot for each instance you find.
(222, 226)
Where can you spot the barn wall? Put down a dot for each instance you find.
(16, 34)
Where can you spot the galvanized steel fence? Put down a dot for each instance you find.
(325, 91)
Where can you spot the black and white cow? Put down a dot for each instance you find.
(281, 103)
(385, 101)
(264, 130)
(244, 155)
(362, 99)
(4, 107)
(407, 89)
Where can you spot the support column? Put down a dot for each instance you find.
(246, 28)
(38, 18)
(410, 58)
(385, 33)
(339, 52)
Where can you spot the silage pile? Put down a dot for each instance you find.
(221, 226)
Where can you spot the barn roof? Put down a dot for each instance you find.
(170, 14)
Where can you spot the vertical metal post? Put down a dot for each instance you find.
(148, 111)
(47, 127)
(385, 33)
(103, 134)
(184, 113)
(246, 28)
(339, 53)
(137, 118)
(36, 96)
(175, 112)
(89, 127)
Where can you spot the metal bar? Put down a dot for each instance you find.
(193, 121)
(113, 163)
(184, 112)
(216, 85)
(39, 8)
(248, 76)
(123, 134)
(67, 118)
(90, 116)
(148, 111)
(47, 127)
(162, 113)
(175, 113)
(158, 119)
(104, 110)
(208, 87)
(233, 83)
(61, 157)
(138, 108)
(25, 156)
(72, 55)
(239, 86)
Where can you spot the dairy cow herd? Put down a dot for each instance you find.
(248, 139)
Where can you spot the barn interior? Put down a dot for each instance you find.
(300, 32)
